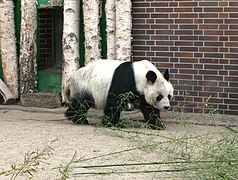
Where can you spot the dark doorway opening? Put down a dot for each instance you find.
(49, 59)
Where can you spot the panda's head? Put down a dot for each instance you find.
(159, 90)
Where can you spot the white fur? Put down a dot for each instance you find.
(96, 78)
(151, 91)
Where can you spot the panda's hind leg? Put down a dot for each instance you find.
(78, 108)
(151, 115)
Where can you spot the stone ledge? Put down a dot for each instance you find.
(44, 100)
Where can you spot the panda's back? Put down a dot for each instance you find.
(96, 78)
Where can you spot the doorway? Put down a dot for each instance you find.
(49, 49)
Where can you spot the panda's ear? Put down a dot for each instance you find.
(166, 75)
(151, 76)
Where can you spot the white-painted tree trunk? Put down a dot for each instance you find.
(91, 29)
(111, 28)
(27, 60)
(70, 40)
(8, 46)
(123, 29)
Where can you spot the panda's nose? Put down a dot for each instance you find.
(166, 107)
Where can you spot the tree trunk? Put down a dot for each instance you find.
(55, 2)
(123, 29)
(8, 46)
(70, 40)
(91, 28)
(111, 28)
(27, 60)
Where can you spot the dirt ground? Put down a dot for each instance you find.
(24, 130)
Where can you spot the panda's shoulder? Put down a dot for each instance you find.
(144, 65)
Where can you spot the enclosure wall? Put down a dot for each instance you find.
(197, 41)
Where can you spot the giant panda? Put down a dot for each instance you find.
(102, 83)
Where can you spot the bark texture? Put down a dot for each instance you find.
(55, 2)
(27, 60)
(70, 40)
(123, 29)
(91, 28)
(8, 46)
(111, 28)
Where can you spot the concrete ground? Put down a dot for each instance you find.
(28, 130)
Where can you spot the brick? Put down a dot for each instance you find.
(231, 32)
(233, 15)
(192, 4)
(233, 84)
(231, 9)
(191, 49)
(231, 21)
(162, 16)
(188, 71)
(208, 72)
(183, 43)
(214, 44)
(209, 3)
(208, 49)
(231, 95)
(180, 9)
(231, 101)
(213, 32)
(183, 54)
(213, 78)
(208, 38)
(235, 112)
(233, 73)
(179, 66)
(208, 15)
(213, 9)
(188, 15)
(233, 3)
(214, 21)
(189, 60)
(183, 21)
(188, 26)
(213, 66)
(161, 10)
(230, 55)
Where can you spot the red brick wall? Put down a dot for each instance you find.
(198, 41)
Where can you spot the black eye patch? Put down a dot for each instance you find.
(158, 98)
(169, 96)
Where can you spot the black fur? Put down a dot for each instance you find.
(166, 75)
(123, 81)
(151, 76)
(78, 108)
(151, 114)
